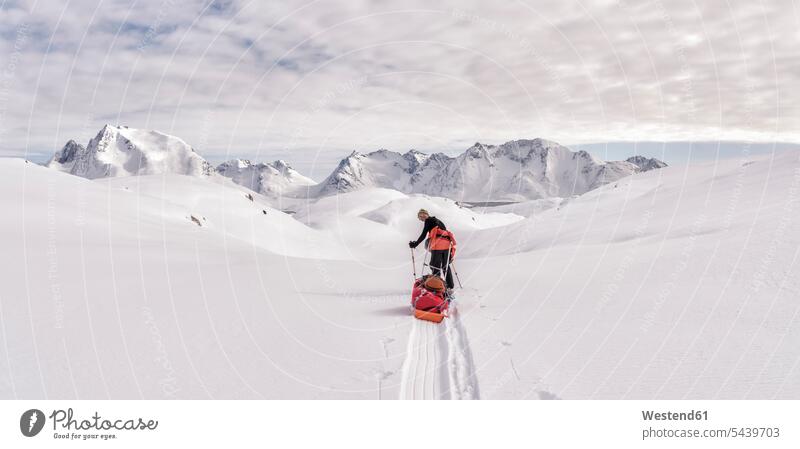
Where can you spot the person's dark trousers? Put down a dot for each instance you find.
(439, 260)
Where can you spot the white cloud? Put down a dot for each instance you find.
(260, 78)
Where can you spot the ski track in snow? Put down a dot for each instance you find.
(438, 362)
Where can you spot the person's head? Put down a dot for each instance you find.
(423, 215)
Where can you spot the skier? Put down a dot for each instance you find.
(438, 243)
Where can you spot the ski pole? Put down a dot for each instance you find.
(413, 264)
(457, 278)
(447, 262)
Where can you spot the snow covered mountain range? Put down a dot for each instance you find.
(269, 179)
(122, 151)
(646, 164)
(514, 171)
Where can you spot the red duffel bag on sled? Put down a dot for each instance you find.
(428, 299)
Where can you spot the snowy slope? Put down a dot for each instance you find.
(438, 362)
(672, 283)
(370, 222)
(121, 294)
(401, 213)
(675, 283)
(226, 210)
(515, 171)
(122, 151)
(272, 179)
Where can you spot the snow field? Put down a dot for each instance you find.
(438, 362)
(675, 283)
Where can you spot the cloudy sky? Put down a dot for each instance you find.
(310, 80)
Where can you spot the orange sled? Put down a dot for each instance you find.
(428, 299)
(429, 316)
